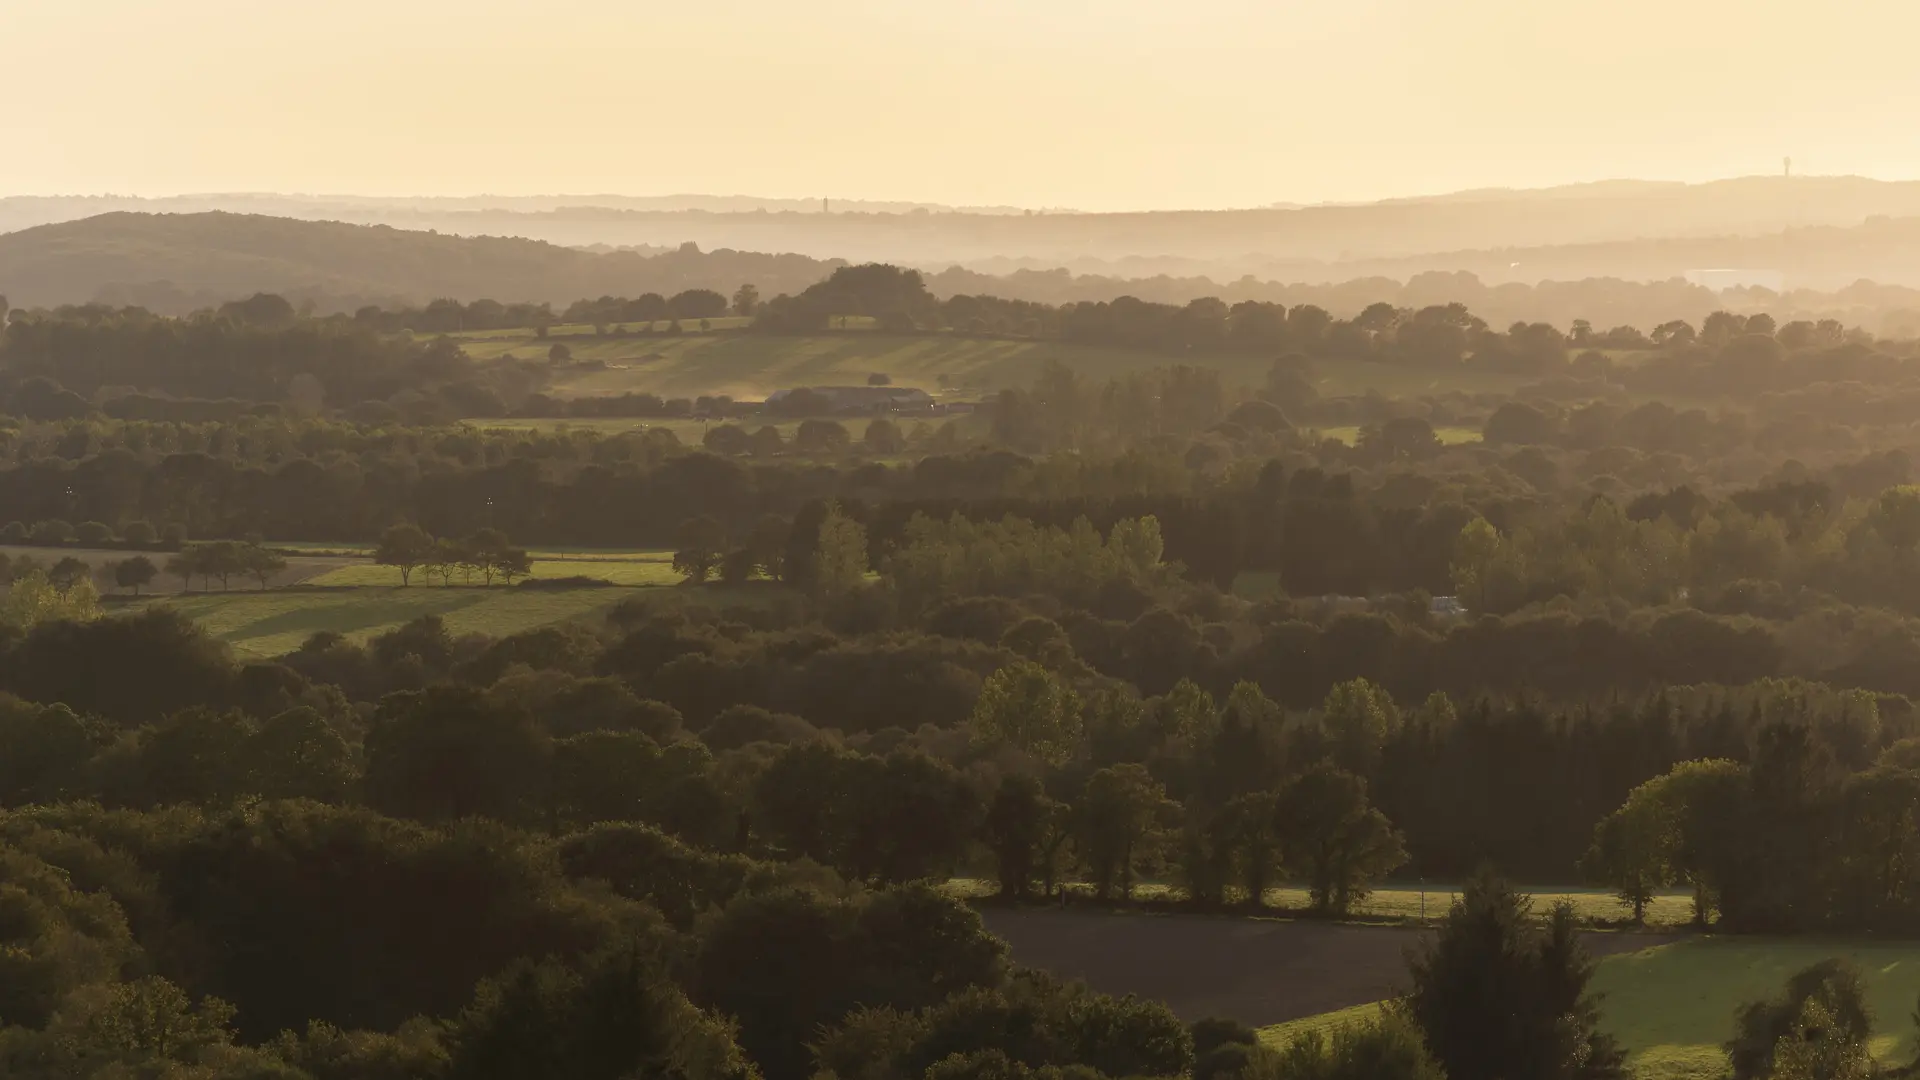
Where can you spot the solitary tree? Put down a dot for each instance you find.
(67, 573)
(1674, 828)
(135, 573)
(1496, 997)
(1475, 554)
(261, 563)
(1116, 822)
(701, 543)
(1024, 706)
(405, 547)
(840, 556)
(1333, 838)
(1359, 717)
(183, 566)
(883, 437)
(512, 563)
(1016, 828)
(1817, 1029)
(1634, 848)
(746, 301)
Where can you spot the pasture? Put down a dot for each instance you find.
(691, 432)
(1671, 1004)
(1669, 999)
(300, 568)
(1448, 436)
(1414, 903)
(632, 568)
(278, 621)
(750, 366)
(336, 587)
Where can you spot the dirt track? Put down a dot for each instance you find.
(1255, 971)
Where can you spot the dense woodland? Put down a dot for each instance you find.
(1104, 632)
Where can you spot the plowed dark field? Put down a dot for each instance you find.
(1256, 971)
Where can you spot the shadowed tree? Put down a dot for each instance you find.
(1332, 838)
(405, 547)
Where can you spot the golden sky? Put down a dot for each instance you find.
(1117, 104)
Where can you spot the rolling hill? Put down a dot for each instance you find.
(175, 262)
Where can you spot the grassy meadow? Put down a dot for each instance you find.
(351, 595)
(278, 621)
(1411, 903)
(1672, 1006)
(623, 568)
(750, 366)
(1448, 436)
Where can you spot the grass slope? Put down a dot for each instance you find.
(277, 621)
(360, 599)
(206, 258)
(1411, 903)
(1672, 1005)
(750, 366)
(633, 568)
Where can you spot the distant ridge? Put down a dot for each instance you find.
(175, 262)
(1284, 242)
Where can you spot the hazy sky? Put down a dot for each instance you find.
(1100, 105)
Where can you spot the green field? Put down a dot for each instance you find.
(1411, 902)
(692, 432)
(750, 366)
(1670, 909)
(277, 621)
(1449, 436)
(570, 333)
(634, 568)
(362, 599)
(1672, 1006)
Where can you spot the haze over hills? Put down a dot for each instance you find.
(176, 263)
(1322, 243)
(26, 211)
(183, 262)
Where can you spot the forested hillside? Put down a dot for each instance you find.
(179, 262)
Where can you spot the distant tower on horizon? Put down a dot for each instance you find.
(826, 206)
(1787, 164)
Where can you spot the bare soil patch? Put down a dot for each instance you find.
(1256, 971)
